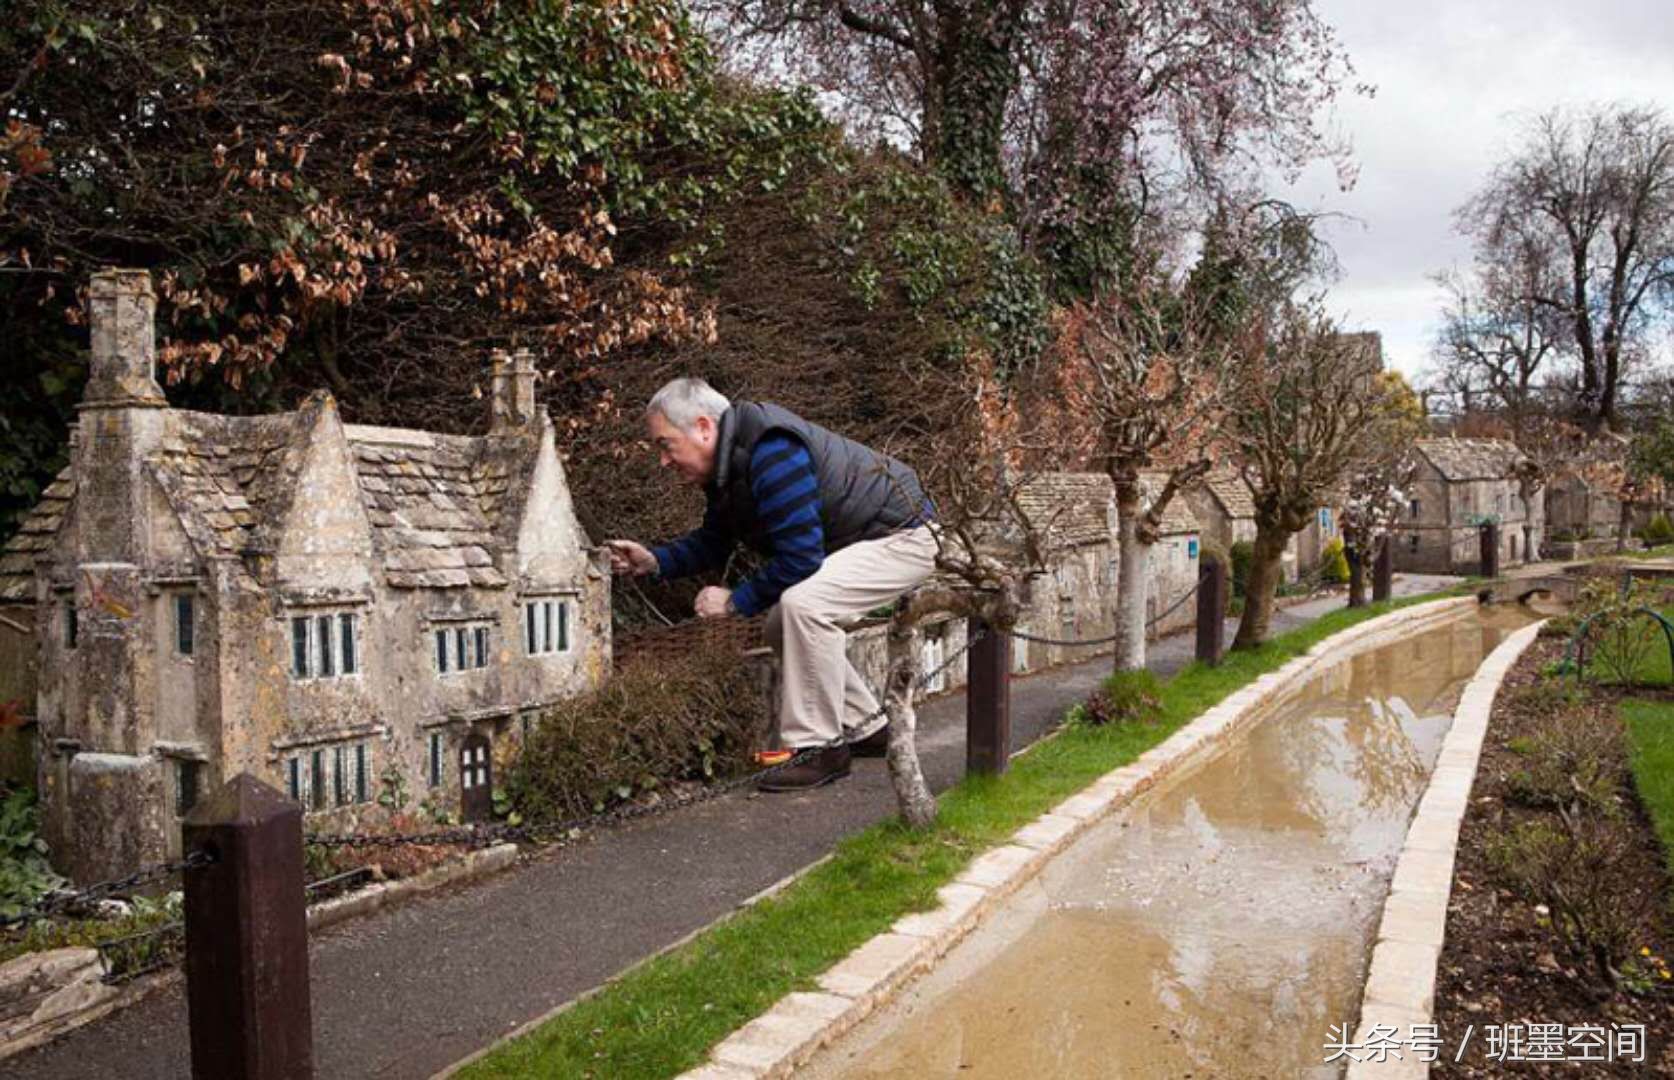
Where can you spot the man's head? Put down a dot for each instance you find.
(684, 422)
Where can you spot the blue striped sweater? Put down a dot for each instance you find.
(787, 497)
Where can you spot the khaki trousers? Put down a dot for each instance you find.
(821, 694)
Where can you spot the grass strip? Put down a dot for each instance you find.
(1650, 726)
(662, 1017)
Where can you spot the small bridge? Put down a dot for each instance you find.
(1564, 584)
(1559, 586)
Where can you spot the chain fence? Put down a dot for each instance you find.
(127, 957)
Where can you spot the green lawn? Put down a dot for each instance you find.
(1650, 727)
(662, 1017)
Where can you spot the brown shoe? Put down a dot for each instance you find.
(820, 768)
(873, 745)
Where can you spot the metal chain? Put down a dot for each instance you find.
(478, 836)
(58, 901)
(1107, 639)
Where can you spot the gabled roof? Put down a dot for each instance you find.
(1069, 509)
(443, 509)
(17, 558)
(1177, 516)
(1471, 459)
(1229, 490)
(427, 511)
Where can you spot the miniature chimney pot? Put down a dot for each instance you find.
(123, 320)
(514, 390)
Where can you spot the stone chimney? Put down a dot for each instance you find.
(514, 391)
(123, 319)
(121, 423)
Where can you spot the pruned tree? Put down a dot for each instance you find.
(1150, 370)
(988, 547)
(1589, 196)
(1078, 113)
(1309, 408)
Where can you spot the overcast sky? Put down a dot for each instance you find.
(1453, 77)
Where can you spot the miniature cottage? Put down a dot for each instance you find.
(1583, 515)
(1174, 565)
(1225, 512)
(1460, 485)
(347, 612)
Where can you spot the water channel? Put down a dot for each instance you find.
(1221, 925)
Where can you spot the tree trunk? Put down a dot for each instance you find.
(1259, 590)
(1132, 582)
(975, 76)
(1357, 568)
(918, 806)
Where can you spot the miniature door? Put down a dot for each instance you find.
(476, 778)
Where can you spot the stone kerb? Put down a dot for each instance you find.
(1401, 982)
(789, 1034)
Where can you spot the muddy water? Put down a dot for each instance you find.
(1222, 925)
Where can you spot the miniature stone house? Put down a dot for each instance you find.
(1176, 559)
(1461, 484)
(1583, 516)
(1226, 514)
(346, 612)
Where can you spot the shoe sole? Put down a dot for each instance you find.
(769, 786)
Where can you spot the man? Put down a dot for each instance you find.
(843, 527)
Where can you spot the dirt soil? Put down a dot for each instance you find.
(1503, 964)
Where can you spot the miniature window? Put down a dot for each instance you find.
(1412, 542)
(72, 624)
(1414, 508)
(461, 648)
(325, 646)
(326, 777)
(185, 630)
(434, 766)
(187, 775)
(933, 653)
(546, 627)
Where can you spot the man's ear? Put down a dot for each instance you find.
(705, 428)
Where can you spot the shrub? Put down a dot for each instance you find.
(696, 717)
(1242, 555)
(1660, 531)
(1127, 697)
(1571, 763)
(1333, 563)
(1582, 869)
(25, 874)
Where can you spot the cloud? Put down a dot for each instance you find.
(1453, 82)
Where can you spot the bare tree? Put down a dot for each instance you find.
(1495, 335)
(1310, 407)
(1075, 113)
(1592, 192)
(988, 547)
(1151, 373)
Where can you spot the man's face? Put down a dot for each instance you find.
(691, 454)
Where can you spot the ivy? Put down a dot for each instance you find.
(899, 230)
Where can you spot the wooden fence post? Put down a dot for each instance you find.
(988, 700)
(1488, 536)
(1211, 611)
(247, 937)
(1383, 571)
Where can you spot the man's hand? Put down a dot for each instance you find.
(627, 557)
(713, 602)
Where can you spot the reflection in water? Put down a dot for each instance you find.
(1221, 927)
